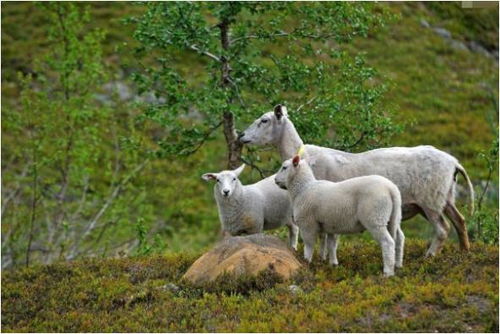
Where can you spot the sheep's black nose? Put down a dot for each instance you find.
(225, 192)
(241, 135)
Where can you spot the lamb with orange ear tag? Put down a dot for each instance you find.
(370, 203)
(249, 209)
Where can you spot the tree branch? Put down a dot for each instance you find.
(237, 91)
(488, 179)
(205, 53)
(307, 103)
(251, 164)
(82, 199)
(34, 201)
(280, 34)
(104, 208)
(204, 139)
(357, 142)
(283, 34)
(263, 172)
(9, 197)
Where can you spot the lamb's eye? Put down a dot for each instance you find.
(263, 120)
(284, 168)
(234, 179)
(218, 180)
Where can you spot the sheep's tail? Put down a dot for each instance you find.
(395, 220)
(460, 169)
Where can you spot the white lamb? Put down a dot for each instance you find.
(252, 208)
(367, 202)
(425, 176)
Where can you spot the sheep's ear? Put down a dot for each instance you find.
(296, 160)
(238, 170)
(280, 111)
(209, 176)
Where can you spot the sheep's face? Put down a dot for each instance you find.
(266, 129)
(286, 172)
(226, 181)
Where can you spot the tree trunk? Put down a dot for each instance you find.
(33, 206)
(234, 146)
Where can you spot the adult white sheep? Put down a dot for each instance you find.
(370, 203)
(425, 176)
(251, 208)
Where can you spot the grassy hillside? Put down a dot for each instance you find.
(454, 292)
(445, 97)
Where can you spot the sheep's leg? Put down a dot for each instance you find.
(332, 248)
(309, 235)
(400, 244)
(440, 226)
(459, 223)
(444, 225)
(323, 246)
(441, 230)
(308, 251)
(386, 242)
(225, 234)
(293, 235)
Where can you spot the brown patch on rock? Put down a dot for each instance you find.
(244, 255)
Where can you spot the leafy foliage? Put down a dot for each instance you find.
(144, 247)
(484, 225)
(249, 57)
(64, 192)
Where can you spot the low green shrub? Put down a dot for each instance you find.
(453, 292)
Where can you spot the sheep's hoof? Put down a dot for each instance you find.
(388, 274)
(429, 255)
(465, 246)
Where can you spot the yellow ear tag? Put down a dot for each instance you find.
(301, 151)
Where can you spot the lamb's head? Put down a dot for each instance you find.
(227, 182)
(287, 172)
(267, 129)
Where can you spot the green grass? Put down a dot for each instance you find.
(454, 292)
